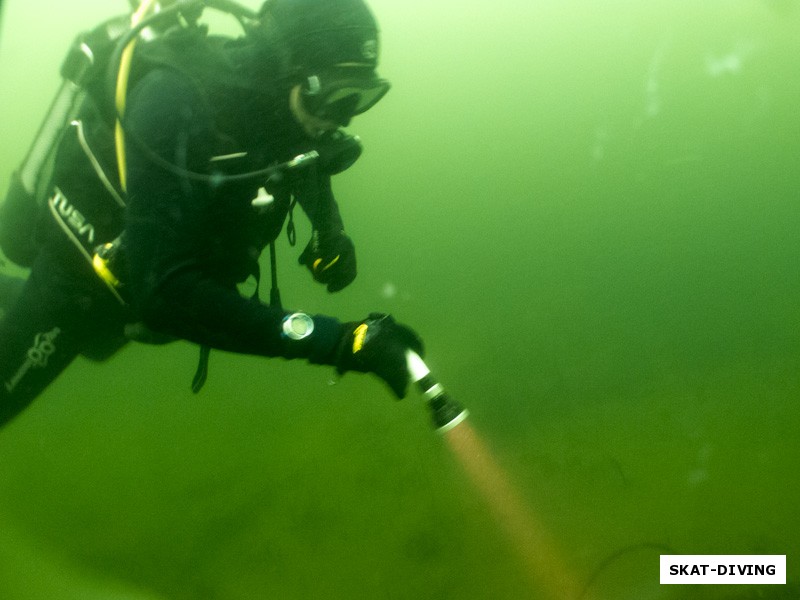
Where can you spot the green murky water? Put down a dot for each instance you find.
(589, 210)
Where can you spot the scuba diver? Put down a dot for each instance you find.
(164, 191)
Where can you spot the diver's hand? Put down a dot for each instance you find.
(331, 258)
(378, 345)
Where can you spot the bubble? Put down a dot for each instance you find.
(389, 290)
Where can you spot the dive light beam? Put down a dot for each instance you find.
(529, 538)
(535, 549)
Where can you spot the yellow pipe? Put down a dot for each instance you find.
(122, 88)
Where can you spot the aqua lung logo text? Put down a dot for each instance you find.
(37, 356)
(72, 217)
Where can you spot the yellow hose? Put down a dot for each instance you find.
(122, 88)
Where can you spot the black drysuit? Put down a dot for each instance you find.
(186, 240)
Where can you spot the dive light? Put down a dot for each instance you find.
(446, 413)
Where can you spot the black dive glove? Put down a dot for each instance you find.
(378, 345)
(331, 258)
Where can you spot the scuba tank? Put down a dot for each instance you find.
(29, 187)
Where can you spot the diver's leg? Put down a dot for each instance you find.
(35, 346)
(57, 315)
(10, 288)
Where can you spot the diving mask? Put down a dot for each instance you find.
(341, 93)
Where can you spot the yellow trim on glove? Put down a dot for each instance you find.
(328, 266)
(359, 335)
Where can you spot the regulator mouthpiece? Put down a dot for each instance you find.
(446, 413)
